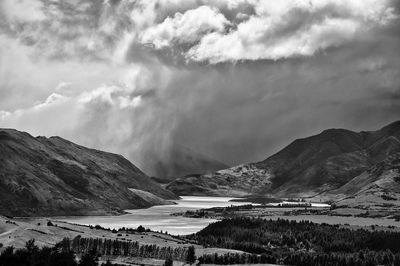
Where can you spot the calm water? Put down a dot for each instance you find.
(158, 217)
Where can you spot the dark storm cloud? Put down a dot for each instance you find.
(236, 80)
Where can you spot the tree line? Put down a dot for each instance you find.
(362, 258)
(32, 255)
(299, 243)
(236, 258)
(89, 249)
(125, 248)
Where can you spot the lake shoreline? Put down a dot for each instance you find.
(183, 217)
(316, 214)
(158, 217)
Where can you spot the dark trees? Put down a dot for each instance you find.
(299, 243)
(89, 259)
(31, 255)
(191, 257)
(168, 262)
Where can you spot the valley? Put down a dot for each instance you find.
(55, 191)
(164, 226)
(358, 170)
(199, 132)
(159, 218)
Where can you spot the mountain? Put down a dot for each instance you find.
(238, 181)
(53, 176)
(305, 168)
(378, 187)
(181, 161)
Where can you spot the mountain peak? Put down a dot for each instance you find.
(335, 131)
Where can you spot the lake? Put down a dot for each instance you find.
(158, 217)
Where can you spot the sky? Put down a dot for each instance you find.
(235, 80)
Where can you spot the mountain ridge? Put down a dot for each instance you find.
(306, 167)
(54, 176)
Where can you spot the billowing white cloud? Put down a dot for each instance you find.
(285, 29)
(186, 28)
(201, 31)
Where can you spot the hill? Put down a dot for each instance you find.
(305, 168)
(378, 188)
(42, 176)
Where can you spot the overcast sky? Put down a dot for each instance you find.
(234, 79)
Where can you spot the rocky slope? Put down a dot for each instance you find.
(237, 181)
(305, 168)
(378, 187)
(52, 176)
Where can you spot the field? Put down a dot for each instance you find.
(343, 216)
(48, 232)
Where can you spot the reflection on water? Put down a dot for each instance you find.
(158, 217)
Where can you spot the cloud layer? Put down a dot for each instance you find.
(234, 80)
(266, 29)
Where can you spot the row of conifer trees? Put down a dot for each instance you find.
(106, 247)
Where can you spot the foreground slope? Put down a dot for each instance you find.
(305, 168)
(53, 176)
